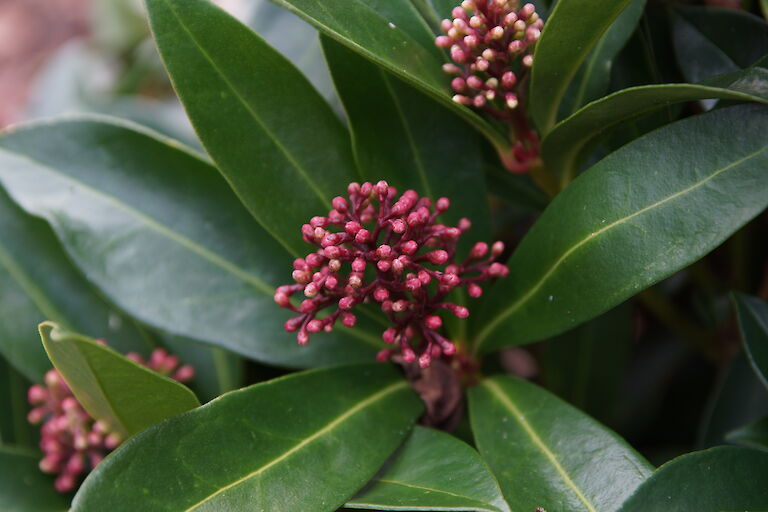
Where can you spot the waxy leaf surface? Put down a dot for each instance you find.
(308, 441)
(546, 453)
(636, 217)
(753, 323)
(393, 35)
(723, 478)
(561, 148)
(158, 230)
(38, 282)
(273, 137)
(563, 46)
(23, 487)
(114, 389)
(754, 435)
(433, 471)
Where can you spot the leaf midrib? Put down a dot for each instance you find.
(505, 401)
(594, 236)
(371, 399)
(482, 507)
(154, 225)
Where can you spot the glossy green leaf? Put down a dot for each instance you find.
(276, 141)
(38, 282)
(636, 217)
(393, 35)
(409, 140)
(158, 230)
(433, 471)
(562, 146)
(303, 442)
(724, 478)
(710, 40)
(585, 366)
(592, 79)
(14, 427)
(125, 395)
(23, 487)
(546, 453)
(754, 434)
(562, 48)
(753, 324)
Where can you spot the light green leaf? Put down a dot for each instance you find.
(303, 442)
(636, 217)
(724, 478)
(272, 136)
(433, 471)
(159, 231)
(23, 487)
(563, 46)
(546, 453)
(38, 282)
(125, 395)
(563, 145)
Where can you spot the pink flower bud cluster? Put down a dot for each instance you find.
(486, 40)
(71, 440)
(375, 247)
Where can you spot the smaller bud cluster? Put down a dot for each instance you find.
(375, 247)
(71, 440)
(486, 39)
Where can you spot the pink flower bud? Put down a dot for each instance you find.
(479, 250)
(112, 441)
(384, 265)
(475, 82)
(282, 300)
(442, 204)
(348, 319)
(497, 33)
(37, 394)
(498, 270)
(464, 225)
(362, 236)
(510, 19)
(474, 290)
(346, 302)
(354, 188)
(381, 294)
(384, 355)
(410, 247)
(489, 54)
(443, 42)
(528, 61)
(184, 374)
(334, 266)
(389, 335)
(425, 359)
(399, 306)
(302, 337)
(358, 265)
(311, 290)
(451, 69)
(366, 189)
(384, 251)
(64, 483)
(300, 276)
(458, 12)
(433, 322)
(307, 306)
(438, 257)
(318, 222)
(408, 354)
(497, 249)
(315, 325)
(314, 260)
(458, 84)
(340, 204)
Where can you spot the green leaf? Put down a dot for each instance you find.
(23, 487)
(563, 46)
(724, 478)
(710, 40)
(14, 427)
(593, 77)
(636, 217)
(546, 453)
(406, 138)
(160, 232)
(273, 137)
(125, 395)
(562, 147)
(433, 471)
(754, 434)
(303, 442)
(753, 324)
(38, 282)
(393, 35)
(585, 365)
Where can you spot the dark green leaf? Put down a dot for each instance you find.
(738, 398)
(562, 147)
(433, 471)
(303, 442)
(272, 136)
(563, 46)
(639, 215)
(753, 324)
(23, 488)
(163, 236)
(592, 79)
(114, 389)
(393, 35)
(754, 435)
(14, 427)
(711, 41)
(404, 137)
(545, 453)
(724, 478)
(585, 365)
(38, 282)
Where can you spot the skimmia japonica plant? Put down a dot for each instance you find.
(428, 255)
